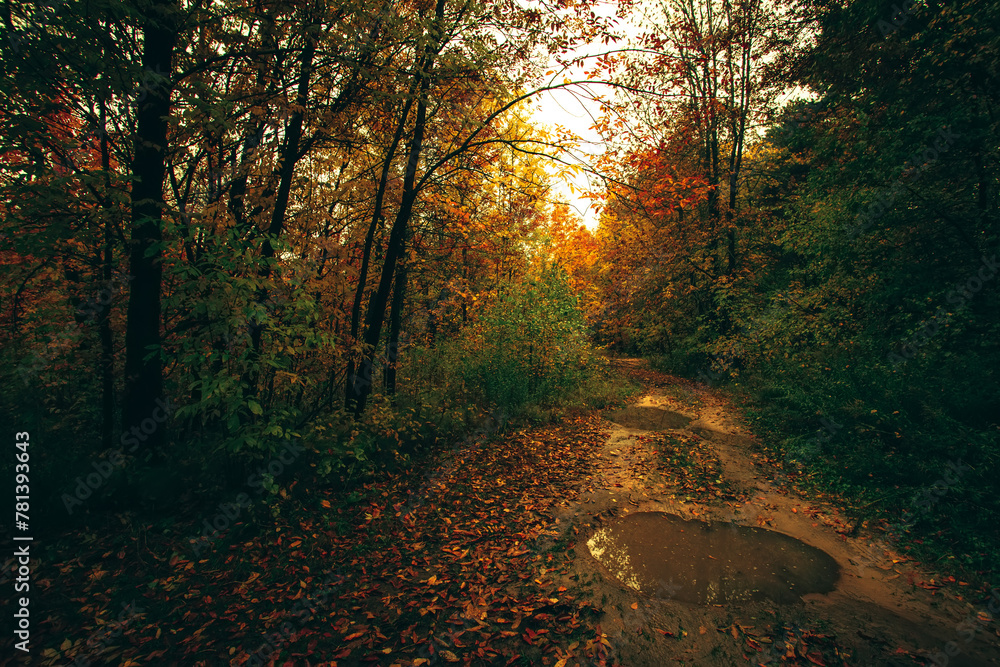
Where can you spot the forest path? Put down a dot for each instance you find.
(479, 555)
(885, 610)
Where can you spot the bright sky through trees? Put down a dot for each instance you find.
(572, 110)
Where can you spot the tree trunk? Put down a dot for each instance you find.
(362, 383)
(143, 367)
(350, 392)
(286, 172)
(374, 319)
(254, 134)
(395, 320)
(107, 363)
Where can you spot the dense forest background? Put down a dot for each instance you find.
(837, 268)
(232, 228)
(242, 215)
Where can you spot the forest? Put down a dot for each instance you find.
(324, 341)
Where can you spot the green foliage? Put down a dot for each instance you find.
(526, 354)
(246, 395)
(860, 299)
(529, 344)
(387, 435)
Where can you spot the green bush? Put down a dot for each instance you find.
(525, 353)
(528, 345)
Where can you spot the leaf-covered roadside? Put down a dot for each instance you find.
(455, 564)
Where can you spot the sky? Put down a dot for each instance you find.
(577, 114)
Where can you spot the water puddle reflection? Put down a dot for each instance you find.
(665, 556)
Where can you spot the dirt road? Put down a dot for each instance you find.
(699, 462)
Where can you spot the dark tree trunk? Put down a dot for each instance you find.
(395, 321)
(361, 384)
(143, 367)
(255, 132)
(104, 318)
(465, 278)
(350, 393)
(289, 157)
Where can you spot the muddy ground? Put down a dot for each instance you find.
(884, 610)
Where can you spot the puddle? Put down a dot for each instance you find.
(648, 418)
(665, 556)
